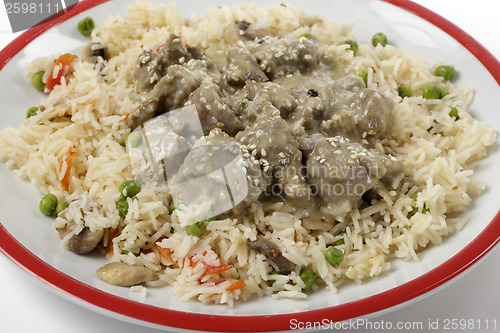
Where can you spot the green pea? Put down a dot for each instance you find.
(363, 73)
(447, 72)
(243, 105)
(48, 204)
(173, 206)
(273, 272)
(334, 256)
(31, 112)
(425, 209)
(454, 113)
(61, 206)
(196, 229)
(122, 206)
(379, 38)
(86, 26)
(134, 139)
(353, 46)
(126, 252)
(308, 36)
(339, 241)
(307, 276)
(130, 187)
(431, 91)
(443, 92)
(404, 90)
(37, 80)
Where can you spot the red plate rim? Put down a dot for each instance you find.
(483, 243)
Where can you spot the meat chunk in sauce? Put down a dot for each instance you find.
(242, 66)
(356, 111)
(256, 179)
(171, 92)
(250, 100)
(279, 56)
(278, 151)
(213, 110)
(210, 155)
(152, 66)
(309, 106)
(340, 171)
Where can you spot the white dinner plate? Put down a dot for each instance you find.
(28, 238)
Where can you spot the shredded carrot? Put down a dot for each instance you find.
(126, 114)
(236, 285)
(68, 159)
(62, 61)
(215, 269)
(159, 47)
(165, 253)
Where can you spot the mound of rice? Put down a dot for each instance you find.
(87, 113)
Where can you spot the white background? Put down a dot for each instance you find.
(27, 306)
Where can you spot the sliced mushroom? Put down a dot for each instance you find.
(93, 51)
(247, 31)
(86, 240)
(124, 275)
(272, 252)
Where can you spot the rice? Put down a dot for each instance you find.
(87, 114)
